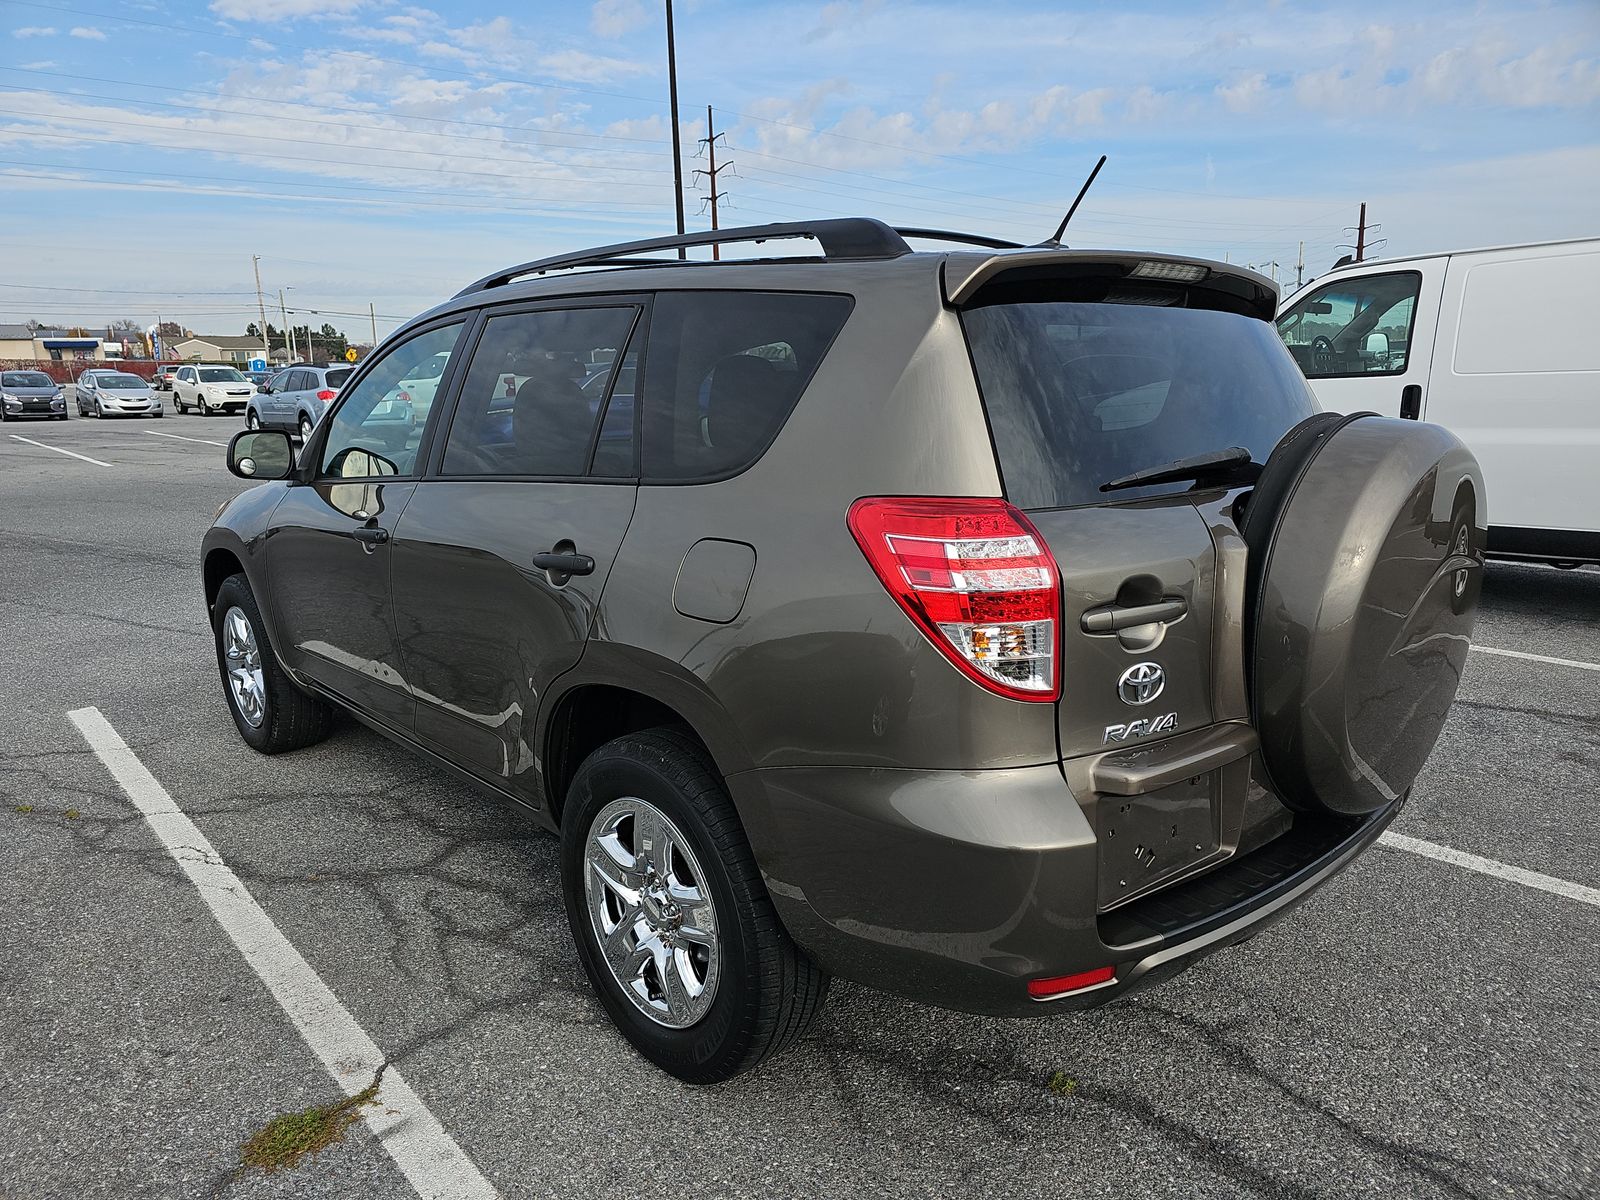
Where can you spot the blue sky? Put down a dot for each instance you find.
(374, 151)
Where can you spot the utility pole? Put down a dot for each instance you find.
(1300, 268)
(372, 312)
(710, 143)
(1365, 243)
(288, 334)
(677, 149)
(262, 305)
(1361, 233)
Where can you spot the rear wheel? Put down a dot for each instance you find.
(305, 427)
(272, 714)
(671, 919)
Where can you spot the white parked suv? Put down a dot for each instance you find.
(210, 388)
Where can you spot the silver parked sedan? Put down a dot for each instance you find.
(116, 393)
(30, 394)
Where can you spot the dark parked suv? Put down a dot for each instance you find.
(1000, 626)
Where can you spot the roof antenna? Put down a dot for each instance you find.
(1055, 239)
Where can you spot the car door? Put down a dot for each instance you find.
(501, 555)
(329, 552)
(270, 402)
(290, 399)
(183, 387)
(1365, 341)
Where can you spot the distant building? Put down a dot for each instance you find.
(19, 343)
(220, 347)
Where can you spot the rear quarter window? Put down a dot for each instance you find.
(1080, 393)
(723, 371)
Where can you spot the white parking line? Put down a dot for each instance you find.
(1544, 658)
(181, 438)
(428, 1156)
(59, 450)
(1490, 866)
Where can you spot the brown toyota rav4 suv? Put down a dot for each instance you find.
(1002, 626)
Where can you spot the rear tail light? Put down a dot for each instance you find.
(976, 577)
(1061, 985)
(403, 395)
(325, 394)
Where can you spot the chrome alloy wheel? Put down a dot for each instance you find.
(245, 680)
(652, 912)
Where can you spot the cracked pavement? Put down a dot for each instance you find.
(1416, 1029)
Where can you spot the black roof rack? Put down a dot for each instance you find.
(848, 237)
(965, 239)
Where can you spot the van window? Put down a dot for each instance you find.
(1358, 326)
(723, 373)
(1530, 316)
(531, 404)
(1079, 394)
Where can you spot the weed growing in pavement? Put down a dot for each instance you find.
(24, 809)
(1063, 1084)
(71, 814)
(285, 1140)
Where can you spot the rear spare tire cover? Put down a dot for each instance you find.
(1360, 605)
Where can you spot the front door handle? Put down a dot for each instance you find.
(564, 564)
(1411, 401)
(371, 535)
(1115, 617)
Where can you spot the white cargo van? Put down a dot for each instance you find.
(1501, 346)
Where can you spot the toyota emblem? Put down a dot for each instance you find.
(1141, 683)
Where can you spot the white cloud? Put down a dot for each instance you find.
(576, 66)
(1244, 93)
(613, 18)
(88, 33)
(33, 31)
(43, 64)
(281, 10)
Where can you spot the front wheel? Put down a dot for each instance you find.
(99, 411)
(251, 421)
(272, 714)
(671, 919)
(205, 408)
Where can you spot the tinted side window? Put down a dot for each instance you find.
(379, 425)
(532, 400)
(1356, 326)
(724, 372)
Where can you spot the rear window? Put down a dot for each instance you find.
(723, 372)
(1079, 394)
(336, 378)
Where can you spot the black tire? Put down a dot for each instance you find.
(292, 719)
(99, 410)
(305, 429)
(768, 993)
(251, 421)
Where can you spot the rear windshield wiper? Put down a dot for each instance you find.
(1230, 466)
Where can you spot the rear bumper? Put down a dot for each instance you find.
(956, 888)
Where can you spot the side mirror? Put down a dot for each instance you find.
(263, 389)
(1376, 345)
(261, 454)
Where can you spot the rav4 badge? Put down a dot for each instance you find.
(1143, 727)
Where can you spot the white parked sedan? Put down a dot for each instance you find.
(210, 389)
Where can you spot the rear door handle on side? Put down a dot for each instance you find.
(1411, 401)
(1114, 617)
(564, 564)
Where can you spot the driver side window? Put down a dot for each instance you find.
(1358, 326)
(378, 426)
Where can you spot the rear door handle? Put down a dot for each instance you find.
(564, 564)
(1114, 617)
(372, 535)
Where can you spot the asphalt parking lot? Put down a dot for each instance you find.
(1420, 1028)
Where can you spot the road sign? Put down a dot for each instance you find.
(350, 354)
(258, 364)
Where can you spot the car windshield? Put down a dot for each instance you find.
(221, 375)
(119, 379)
(1080, 393)
(25, 379)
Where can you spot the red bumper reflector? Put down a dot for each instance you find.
(1060, 985)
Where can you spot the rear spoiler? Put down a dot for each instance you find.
(1235, 287)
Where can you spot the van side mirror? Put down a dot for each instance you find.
(1376, 345)
(261, 454)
